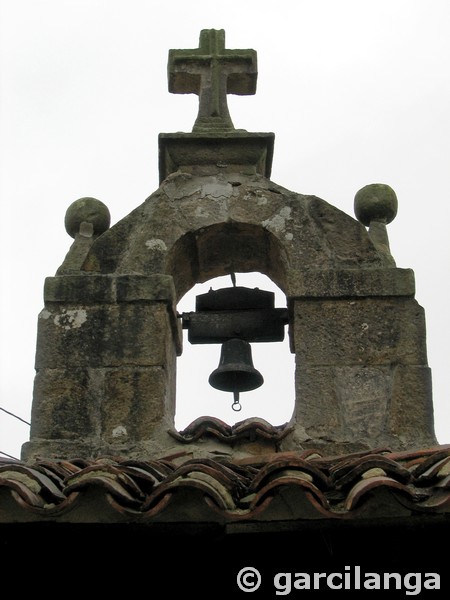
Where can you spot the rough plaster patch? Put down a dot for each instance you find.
(156, 244)
(211, 187)
(217, 189)
(119, 431)
(278, 221)
(71, 319)
(180, 186)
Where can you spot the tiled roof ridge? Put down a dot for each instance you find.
(253, 428)
(314, 486)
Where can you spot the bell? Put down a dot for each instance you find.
(236, 372)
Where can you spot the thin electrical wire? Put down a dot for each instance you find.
(8, 455)
(15, 416)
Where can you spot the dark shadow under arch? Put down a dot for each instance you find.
(226, 248)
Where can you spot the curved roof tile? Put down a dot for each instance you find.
(280, 485)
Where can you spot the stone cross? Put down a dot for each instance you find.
(212, 71)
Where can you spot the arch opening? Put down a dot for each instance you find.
(224, 248)
(274, 401)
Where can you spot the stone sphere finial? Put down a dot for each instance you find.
(87, 210)
(375, 202)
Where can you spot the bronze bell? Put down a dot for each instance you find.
(236, 372)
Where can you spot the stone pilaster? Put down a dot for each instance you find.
(362, 379)
(105, 365)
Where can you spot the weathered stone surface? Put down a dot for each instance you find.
(212, 71)
(80, 289)
(101, 411)
(87, 210)
(96, 289)
(201, 154)
(410, 416)
(363, 407)
(103, 335)
(289, 231)
(317, 407)
(78, 251)
(136, 288)
(363, 396)
(359, 331)
(85, 220)
(376, 202)
(64, 405)
(134, 401)
(350, 283)
(344, 404)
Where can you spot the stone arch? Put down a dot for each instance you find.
(221, 249)
(263, 226)
(224, 248)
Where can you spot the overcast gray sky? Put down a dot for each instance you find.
(356, 92)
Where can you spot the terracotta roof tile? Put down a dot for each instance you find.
(255, 429)
(346, 474)
(289, 485)
(114, 479)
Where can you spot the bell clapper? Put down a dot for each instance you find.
(236, 404)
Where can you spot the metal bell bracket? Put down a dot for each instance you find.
(234, 317)
(235, 312)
